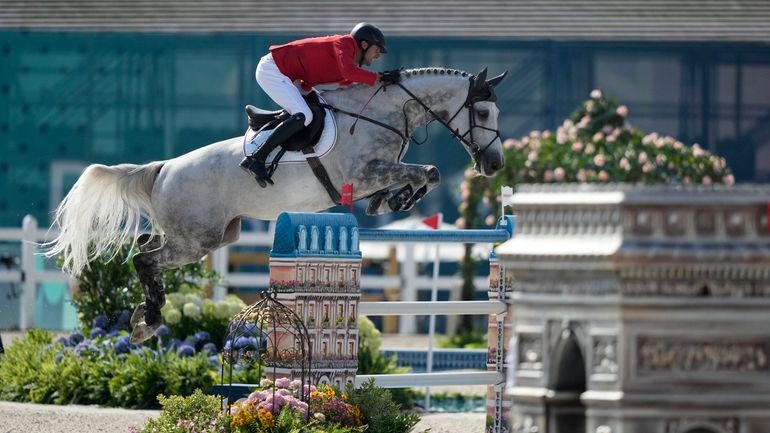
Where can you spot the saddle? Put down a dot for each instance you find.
(304, 141)
(263, 120)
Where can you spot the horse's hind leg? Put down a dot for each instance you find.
(145, 243)
(150, 265)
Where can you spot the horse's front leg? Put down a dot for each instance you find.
(413, 180)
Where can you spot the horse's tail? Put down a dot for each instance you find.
(108, 206)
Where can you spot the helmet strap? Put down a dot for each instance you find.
(363, 53)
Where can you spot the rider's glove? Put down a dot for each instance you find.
(390, 77)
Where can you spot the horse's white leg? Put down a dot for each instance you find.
(385, 176)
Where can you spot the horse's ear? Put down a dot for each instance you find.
(493, 82)
(481, 77)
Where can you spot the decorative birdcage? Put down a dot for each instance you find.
(270, 337)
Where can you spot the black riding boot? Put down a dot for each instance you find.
(255, 163)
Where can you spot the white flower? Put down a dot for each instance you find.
(642, 157)
(590, 148)
(532, 156)
(561, 136)
(598, 136)
(509, 143)
(172, 316)
(596, 94)
(622, 111)
(577, 146)
(585, 120)
(176, 299)
(697, 151)
(624, 164)
(195, 299)
(192, 311)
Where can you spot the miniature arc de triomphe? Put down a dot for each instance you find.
(639, 309)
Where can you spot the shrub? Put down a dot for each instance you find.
(198, 413)
(371, 361)
(596, 144)
(381, 413)
(108, 290)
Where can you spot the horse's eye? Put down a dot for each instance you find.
(484, 114)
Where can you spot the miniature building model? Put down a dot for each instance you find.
(640, 309)
(315, 269)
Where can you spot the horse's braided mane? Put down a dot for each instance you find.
(433, 71)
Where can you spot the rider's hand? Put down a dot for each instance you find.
(390, 77)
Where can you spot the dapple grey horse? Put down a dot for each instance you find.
(193, 204)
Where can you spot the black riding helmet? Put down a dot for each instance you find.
(371, 34)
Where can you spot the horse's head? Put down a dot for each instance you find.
(476, 124)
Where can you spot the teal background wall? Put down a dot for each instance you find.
(68, 99)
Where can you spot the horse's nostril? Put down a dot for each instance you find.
(495, 165)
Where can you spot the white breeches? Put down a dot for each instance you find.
(280, 88)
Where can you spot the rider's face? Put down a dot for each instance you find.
(372, 54)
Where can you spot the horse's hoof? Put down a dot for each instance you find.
(143, 332)
(401, 198)
(138, 315)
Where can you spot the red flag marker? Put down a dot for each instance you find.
(433, 221)
(347, 196)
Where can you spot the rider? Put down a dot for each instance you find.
(290, 70)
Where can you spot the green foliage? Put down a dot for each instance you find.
(371, 361)
(466, 339)
(111, 287)
(25, 368)
(381, 413)
(197, 412)
(36, 370)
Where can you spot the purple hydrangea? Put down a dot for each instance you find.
(76, 338)
(185, 350)
(163, 332)
(100, 321)
(209, 348)
(97, 332)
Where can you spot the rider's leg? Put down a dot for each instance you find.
(280, 89)
(255, 163)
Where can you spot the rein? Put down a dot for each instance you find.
(475, 150)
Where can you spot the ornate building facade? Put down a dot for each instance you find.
(640, 309)
(315, 268)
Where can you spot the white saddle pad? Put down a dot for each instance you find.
(254, 141)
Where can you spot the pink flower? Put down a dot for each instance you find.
(581, 175)
(561, 136)
(642, 157)
(729, 179)
(590, 149)
(622, 111)
(603, 176)
(295, 384)
(598, 137)
(548, 176)
(697, 151)
(509, 143)
(283, 382)
(577, 146)
(584, 121)
(532, 156)
(546, 134)
(559, 174)
(660, 159)
(648, 167)
(599, 160)
(706, 180)
(624, 164)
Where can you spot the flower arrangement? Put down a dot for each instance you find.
(596, 144)
(191, 317)
(275, 407)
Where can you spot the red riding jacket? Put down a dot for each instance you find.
(323, 60)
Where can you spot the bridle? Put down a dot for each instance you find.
(478, 91)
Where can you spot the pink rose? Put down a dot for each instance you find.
(599, 160)
(622, 111)
(559, 174)
(603, 176)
